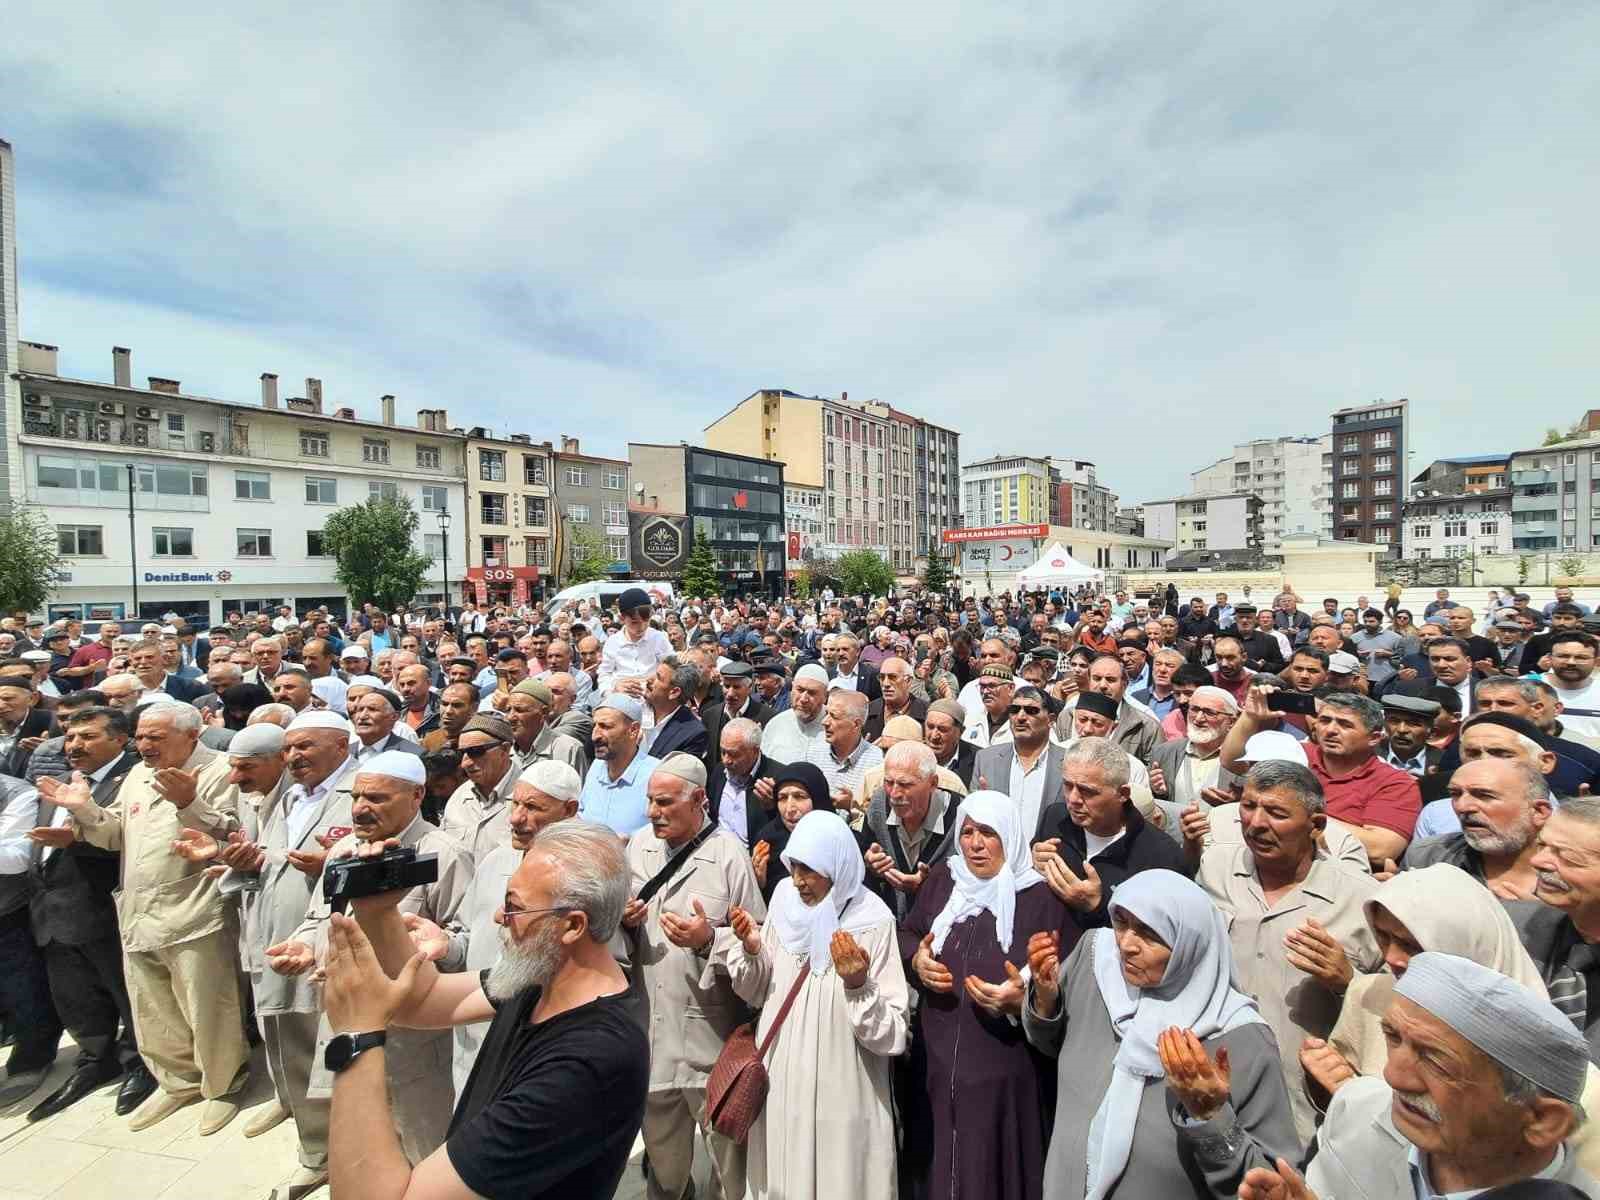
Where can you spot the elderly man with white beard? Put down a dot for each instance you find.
(386, 811)
(565, 1066)
(690, 873)
(1189, 770)
(1501, 805)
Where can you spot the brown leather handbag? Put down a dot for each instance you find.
(737, 1087)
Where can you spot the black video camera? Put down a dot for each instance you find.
(402, 868)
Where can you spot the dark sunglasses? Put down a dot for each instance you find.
(478, 751)
(1033, 710)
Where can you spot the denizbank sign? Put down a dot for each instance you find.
(187, 576)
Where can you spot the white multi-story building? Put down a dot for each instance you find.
(802, 517)
(1009, 489)
(228, 499)
(1460, 525)
(1206, 521)
(1288, 474)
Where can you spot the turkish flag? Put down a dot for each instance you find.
(741, 499)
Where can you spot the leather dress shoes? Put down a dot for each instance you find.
(79, 1084)
(135, 1090)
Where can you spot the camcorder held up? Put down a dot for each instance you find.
(400, 869)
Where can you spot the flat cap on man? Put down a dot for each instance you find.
(684, 766)
(538, 690)
(496, 727)
(1415, 705)
(1096, 703)
(734, 669)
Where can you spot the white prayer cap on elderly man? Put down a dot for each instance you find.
(392, 764)
(256, 741)
(320, 718)
(555, 779)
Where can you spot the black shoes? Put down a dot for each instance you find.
(135, 1090)
(78, 1085)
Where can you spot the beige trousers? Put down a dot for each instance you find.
(670, 1119)
(291, 1040)
(186, 1014)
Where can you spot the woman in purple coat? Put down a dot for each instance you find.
(982, 1131)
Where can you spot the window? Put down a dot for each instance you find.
(1350, 466)
(578, 513)
(616, 513)
(1351, 491)
(1489, 528)
(577, 476)
(254, 543)
(167, 479)
(830, 451)
(492, 508)
(321, 490)
(314, 547)
(538, 552)
(1455, 529)
(1382, 487)
(435, 498)
(174, 422)
(1382, 533)
(1350, 445)
(1421, 531)
(433, 545)
(616, 479)
(1382, 440)
(252, 485)
(828, 420)
(79, 539)
(375, 450)
(617, 548)
(1383, 462)
(173, 543)
(494, 551)
(429, 458)
(533, 469)
(1199, 526)
(313, 444)
(1200, 544)
(1382, 512)
(492, 465)
(535, 511)
(382, 489)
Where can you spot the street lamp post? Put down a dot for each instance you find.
(133, 546)
(444, 529)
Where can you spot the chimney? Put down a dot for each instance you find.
(36, 358)
(569, 445)
(269, 390)
(314, 393)
(122, 366)
(844, 397)
(344, 414)
(388, 410)
(170, 387)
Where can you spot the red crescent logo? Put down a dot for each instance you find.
(1005, 553)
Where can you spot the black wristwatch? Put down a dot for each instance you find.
(346, 1047)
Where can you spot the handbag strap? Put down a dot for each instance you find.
(664, 876)
(788, 1003)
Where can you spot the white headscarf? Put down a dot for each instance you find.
(998, 895)
(1196, 992)
(824, 843)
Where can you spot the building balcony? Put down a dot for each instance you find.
(1529, 478)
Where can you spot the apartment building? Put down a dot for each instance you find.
(1206, 521)
(228, 499)
(509, 502)
(1081, 501)
(1009, 489)
(591, 493)
(1368, 460)
(888, 481)
(1465, 476)
(1288, 473)
(1458, 525)
(1555, 504)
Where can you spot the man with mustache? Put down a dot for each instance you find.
(1295, 915)
(1481, 1092)
(1501, 804)
(1562, 933)
(1188, 771)
(385, 810)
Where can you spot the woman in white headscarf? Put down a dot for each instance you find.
(975, 1111)
(827, 1130)
(1441, 908)
(1150, 1002)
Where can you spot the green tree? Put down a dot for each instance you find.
(587, 559)
(864, 572)
(1553, 435)
(700, 569)
(936, 576)
(800, 584)
(30, 560)
(371, 547)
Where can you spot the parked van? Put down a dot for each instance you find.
(603, 593)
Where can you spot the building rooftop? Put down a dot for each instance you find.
(1203, 496)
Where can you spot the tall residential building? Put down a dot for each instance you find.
(1287, 473)
(591, 494)
(1081, 502)
(1555, 503)
(1459, 524)
(509, 519)
(863, 459)
(1008, 490)
(1206, 521)
(10, 393)
(1368, 457)
(228, 500)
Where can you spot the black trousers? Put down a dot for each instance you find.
(86, 983)
(25, 997)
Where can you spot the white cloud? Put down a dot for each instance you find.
(1134, 235)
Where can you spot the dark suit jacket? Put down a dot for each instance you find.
(187, 690)
(994, 765)
(715, 716)
(757, 812)
(35, 725)
(69, 897)
(873, 730)
(866, 680)
(1141, 848)
(966, 758)
(684, 732)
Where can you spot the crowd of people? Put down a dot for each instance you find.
(1050, 895)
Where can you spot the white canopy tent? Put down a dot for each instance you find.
(1057, 568)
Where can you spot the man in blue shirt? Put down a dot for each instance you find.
(614, 790)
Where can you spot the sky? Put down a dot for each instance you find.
(1129, 233)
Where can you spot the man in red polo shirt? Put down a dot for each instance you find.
(1379, 802)
(1092, 632)
(89, 660)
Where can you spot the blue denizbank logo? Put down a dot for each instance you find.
(179, 577)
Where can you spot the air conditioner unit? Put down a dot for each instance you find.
(141, 435)
(35, 400)
(208, 442)
(74, 425)
(145, 413)
(109, 408)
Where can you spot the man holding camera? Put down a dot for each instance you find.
(386, 811)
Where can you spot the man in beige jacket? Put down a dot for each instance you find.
(178, 935)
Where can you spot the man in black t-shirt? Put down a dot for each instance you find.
(557, 1095)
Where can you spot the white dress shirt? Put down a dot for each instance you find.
(1027, 789)
(20, 815)
(300, 806)
(624, 658)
